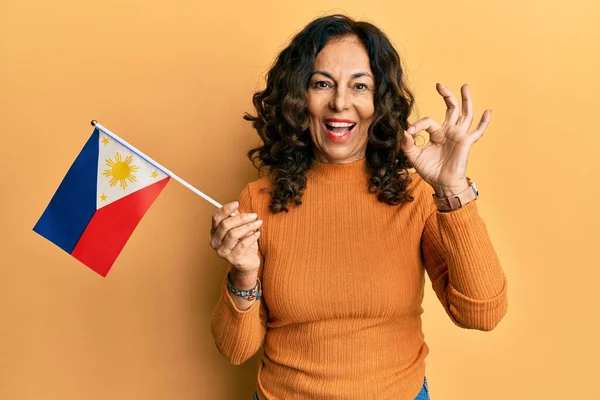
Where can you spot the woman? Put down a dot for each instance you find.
(333, 288)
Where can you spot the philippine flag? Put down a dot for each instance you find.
(104, 195)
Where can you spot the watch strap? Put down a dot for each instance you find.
(459, 200)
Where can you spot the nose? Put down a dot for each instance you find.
(339, 102)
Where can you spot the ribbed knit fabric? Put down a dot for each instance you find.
(343, 283)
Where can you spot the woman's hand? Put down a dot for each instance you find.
(234, 238)
(443, 161)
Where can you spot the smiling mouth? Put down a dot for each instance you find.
(339, 128)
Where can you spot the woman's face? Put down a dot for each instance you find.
(340, 101)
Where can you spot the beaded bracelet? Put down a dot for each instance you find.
(249, 295)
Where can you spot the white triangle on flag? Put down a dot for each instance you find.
(121, 172)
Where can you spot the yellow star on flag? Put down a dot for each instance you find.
(105, 140)
(154, 174)
(103, 197)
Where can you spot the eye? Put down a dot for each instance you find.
(321, 85)
(361, 86)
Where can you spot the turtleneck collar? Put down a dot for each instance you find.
(338, 172)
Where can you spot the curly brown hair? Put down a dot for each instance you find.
(282, 121)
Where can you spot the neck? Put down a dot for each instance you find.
(347, 171)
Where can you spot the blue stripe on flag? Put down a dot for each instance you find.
(74, 202)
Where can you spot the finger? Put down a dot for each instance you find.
(228, 224)
(482, 126)
(466, 118)
(452, 111)
(242, 246)
(236, 234)
(409, 148)
(221, 214)
(424, 124)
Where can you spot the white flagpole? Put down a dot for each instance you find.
(159, 166)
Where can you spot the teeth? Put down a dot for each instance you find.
(340, 124)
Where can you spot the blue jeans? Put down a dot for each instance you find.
(423, 394)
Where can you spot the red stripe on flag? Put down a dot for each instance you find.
(111, 226)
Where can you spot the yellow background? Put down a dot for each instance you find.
(174, 79)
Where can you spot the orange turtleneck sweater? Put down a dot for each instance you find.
(343, 280)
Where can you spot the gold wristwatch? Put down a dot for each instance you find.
(459, 200)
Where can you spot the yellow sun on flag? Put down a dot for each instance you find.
(120, 170)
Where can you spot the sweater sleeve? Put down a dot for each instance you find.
(238, 334)
(463, 266)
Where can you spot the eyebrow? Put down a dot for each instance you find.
(354, 76)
